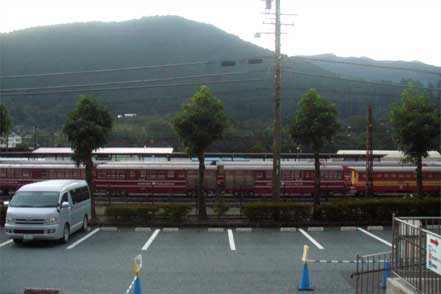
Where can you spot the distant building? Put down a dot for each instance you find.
(12, 141)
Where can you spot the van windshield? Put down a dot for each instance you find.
(35, 199)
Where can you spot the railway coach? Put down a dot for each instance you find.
(397, 179)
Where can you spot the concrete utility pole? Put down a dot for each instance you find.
(369, 156)
(276, 128)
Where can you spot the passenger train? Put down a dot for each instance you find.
(241, 179)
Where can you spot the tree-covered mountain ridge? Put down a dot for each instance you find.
(247, 90)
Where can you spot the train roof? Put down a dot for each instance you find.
(387, 154)
(397, 168)
(111, 150)
(37, 165)
(156, 166)
(283, 166)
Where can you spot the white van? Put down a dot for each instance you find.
(48, 210)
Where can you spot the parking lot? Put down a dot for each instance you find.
(240, 260)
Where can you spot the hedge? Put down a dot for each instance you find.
(353, 210)
(3, 214)
(289, 211)
(140, 213)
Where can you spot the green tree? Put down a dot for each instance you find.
(5, 123)
(314, 123)
(87, 128)
(416, 126)
(199, 124)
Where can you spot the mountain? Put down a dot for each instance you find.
(373, 70)
(181, 55)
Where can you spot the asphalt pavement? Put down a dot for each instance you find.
(188, 260)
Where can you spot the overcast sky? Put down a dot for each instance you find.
(380, 29)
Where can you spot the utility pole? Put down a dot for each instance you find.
(369, 156)
(276, 128)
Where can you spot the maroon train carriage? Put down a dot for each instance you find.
(296, 179)
(153, 178)
(397, 179)
(13, 176)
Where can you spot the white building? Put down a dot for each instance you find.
(12, 142)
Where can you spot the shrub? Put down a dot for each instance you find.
(220, 207)
(3, 214)
(133, 213)
(175, 212)
(289, 211)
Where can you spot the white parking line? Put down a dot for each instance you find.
(231, 240)
(150, 240)
(5, 243)
(313, 241)
(375, 237)
(73, 245)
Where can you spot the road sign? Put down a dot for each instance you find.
(433, 256)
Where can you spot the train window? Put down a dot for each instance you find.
(76, 174)
(44, 174)
(170, 174)
(393, 176)
(180, 174)
(161, 175)
(132, 174)
(10, 173)
(26, 174)
(297, 175)
(121, 174)
(400, 175)
(101, 174)
(2, 173)
(152, 175)
(142, 174)
(386, 175)
(68, 173)
(259, 175)
(429, 175)
(17, 174)
(52, 174)
(60, 174)
(338, 175)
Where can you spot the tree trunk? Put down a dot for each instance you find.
(201, 194)
(89, 180)
(316, 179)
(419, 176)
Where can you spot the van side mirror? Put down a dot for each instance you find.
(65, 204)
(6, 203)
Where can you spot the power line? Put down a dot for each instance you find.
(6, 91)
(358, 81)
(370, 65)
(131, 87)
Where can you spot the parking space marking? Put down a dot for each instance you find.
(5, 243)
(73, 245)
(231, 240)
(150, 240)
(313, 241)
(375, 237)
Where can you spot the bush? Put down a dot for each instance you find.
(220, 208)
(141, 213)
(132, 213)
(3, 214)
(175, 212)
(289, 211)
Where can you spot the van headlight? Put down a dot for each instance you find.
(9, 220)
(51, 220)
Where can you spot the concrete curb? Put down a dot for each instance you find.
(215, 230)
(288, 229)
(375, 228)
(244, 229)
(143, 229)
(109, 229)
(168, 230)
(315, 229)
(348, 229)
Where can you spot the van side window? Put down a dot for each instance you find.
(65, 198)
(79, 194)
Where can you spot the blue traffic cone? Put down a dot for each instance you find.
(386, 273)
(137, 286)
(304, 283)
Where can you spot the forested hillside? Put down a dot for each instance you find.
(201, 54)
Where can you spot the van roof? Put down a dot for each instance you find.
(52, 185)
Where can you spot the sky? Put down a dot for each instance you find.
(380, 29)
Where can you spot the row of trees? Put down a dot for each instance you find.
(202, 121)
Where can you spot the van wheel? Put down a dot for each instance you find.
(66, 234)
(85, 223)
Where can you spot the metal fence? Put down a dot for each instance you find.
(409, 252)
(372, 272)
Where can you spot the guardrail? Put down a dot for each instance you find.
(411, 236)
(372, 272)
